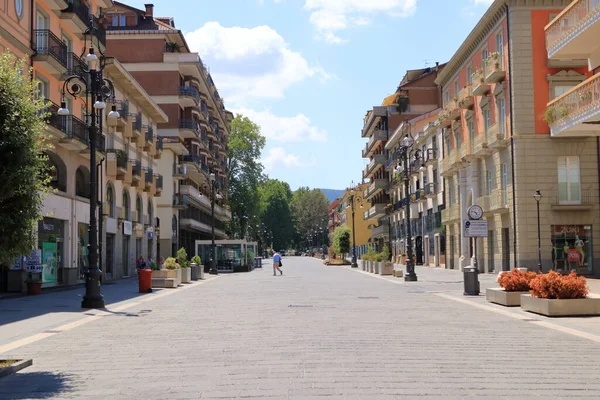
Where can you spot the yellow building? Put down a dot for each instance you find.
(362, 225)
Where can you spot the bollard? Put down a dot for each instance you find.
(471, 281)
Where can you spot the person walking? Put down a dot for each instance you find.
(277, 263)
(141, 263)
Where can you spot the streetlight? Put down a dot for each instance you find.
(211, 187)
(538, 196)
(407, 144)
(94, 89)
(351, 200)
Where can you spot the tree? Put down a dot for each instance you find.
(23, 166)
(341, 240)
(245, 172)
(275, 212)
(311, 212)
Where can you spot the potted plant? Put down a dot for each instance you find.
(186, 271)
(372, 258)
(169, 276)
(195, 266)
(34, 283)
(512, 285)
(378, 263)
(556, 295)
(386, 266)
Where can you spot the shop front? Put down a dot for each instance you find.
(51, 234)
(572, 248)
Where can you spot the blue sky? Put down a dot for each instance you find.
(308, 70)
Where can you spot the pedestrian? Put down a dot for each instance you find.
(277, 263)
(141, 263)
(161, 261)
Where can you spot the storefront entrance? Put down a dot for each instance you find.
(51, 243)
(572, 248)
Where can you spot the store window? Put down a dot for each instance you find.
(50, 242)
(569, 183)
(110, 201)
(572, 248)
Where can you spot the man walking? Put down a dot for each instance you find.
(276, 263)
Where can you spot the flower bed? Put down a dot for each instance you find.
(512, 285)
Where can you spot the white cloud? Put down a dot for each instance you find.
(298, 128)
(251, 63)
(331, 16)
(278, 157)
(483, 2)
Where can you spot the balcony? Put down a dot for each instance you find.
(374, 118)
(430, 190)
(451, 214)
(430, 128)
(382, 230)
(494, 203)
(75, 130)
(444, 119)
(376, 211)
(189, 128)
(149, 141)
(158, 184)
(77, 16)
(453, 112)
(481, 145)
(493, 68)
(576, 112)
(467, 151)
(377, 161)
(56, 5)
(159, 148)
(378, 136)
(136, 172)
(188, 96)
(495, 138)
(584, 200)
(124, 167)
(136, 128)
(50, 52)
(179, 171)
(375, 187)
(450, 163)
(465, 98)
(431, 156)
(180, 202)
(574, 33)
(479, 85)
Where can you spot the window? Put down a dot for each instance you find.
(456, 88)
(451, 194)
(119, 20)
(125, 208)
(569, 183)
(500, 44)
(487, 119)
(43, 87)
(560, 90)
(484, 55)
(470, 74)
(110, 201)
(138, 210)
(504, 183)
(502, 115)
(458, 137)
(471, 128)
(150, 213)
(82, 187)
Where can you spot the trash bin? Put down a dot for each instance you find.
(257, 262)
(145, 280)
(471, 277)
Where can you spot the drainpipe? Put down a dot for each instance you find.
(512, 143)
(31, 21)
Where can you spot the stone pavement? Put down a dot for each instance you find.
(316, 332)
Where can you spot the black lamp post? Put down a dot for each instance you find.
(94, 89)
(352, 199)
(538, 196)
(211, 187)
(405, 148)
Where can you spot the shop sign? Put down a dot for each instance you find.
(34, 261)
(127, 228)
(150, 232)
(476, 228)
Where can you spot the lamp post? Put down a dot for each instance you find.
(352, 199)
(211, 187)
(94, 89)
(538, 196)
(405, 148)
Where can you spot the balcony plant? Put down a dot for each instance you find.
(555, 295)
(512, 285)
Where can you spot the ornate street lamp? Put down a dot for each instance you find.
(95, 90)
(352, 200)
(538, 196)
(211, 187)
(405, 152)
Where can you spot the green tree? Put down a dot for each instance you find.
(275, 211)
(245, 144)
(23, 165)
(341, 240)
(310, 209)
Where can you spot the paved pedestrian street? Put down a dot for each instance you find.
(315, 332)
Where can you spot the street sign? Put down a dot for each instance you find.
(476, 228)
(34, 261)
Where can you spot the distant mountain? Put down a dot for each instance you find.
(332, 194)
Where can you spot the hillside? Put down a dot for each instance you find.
(332, 194)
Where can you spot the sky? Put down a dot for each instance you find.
(307, 71)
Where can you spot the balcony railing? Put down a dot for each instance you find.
(578, 14)
(465, 98)
(159, 143)
(47, 43)
(430, 189)
(452, 213)
(578, 106)
(149, 177)
(79, 8)
(150, 135)
(159, 182)
(75, 65)
(192, 124)
(493, 68)
(137, 125)
(189, 91)
(122, 159)
(137, 168)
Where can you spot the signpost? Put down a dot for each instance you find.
(475, 227)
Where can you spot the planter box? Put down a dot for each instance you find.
(377, 267)
(504, 298)
(398, 273)
(362, 264)
(186, 275)
(168, 274)
(16, 367)
(386, 268)
(371, 266)
(561, 308)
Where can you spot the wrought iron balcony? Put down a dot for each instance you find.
(50, 51)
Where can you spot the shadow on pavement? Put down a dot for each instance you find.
(34, 385)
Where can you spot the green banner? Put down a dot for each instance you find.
(49, 262)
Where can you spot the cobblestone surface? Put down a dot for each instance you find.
(315, 332)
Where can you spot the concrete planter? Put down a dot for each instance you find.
(504, 298)
(561, 308)
(194, 271)
(168, 274)
(371, 266)
(186, 275)
(377, 267)
(362, 264)
(386, 268)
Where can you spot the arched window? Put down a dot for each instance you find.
(110, 201)
(150, 213)
(138, 210)
(125, 208)
(82, 183)
(57, 171)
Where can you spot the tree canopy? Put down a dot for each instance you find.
(310, 208)
(276, 214)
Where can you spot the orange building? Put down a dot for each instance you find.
(498, 148)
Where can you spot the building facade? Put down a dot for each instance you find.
(195, 136)
(498, 147)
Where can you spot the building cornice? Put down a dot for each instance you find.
(484, 27)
